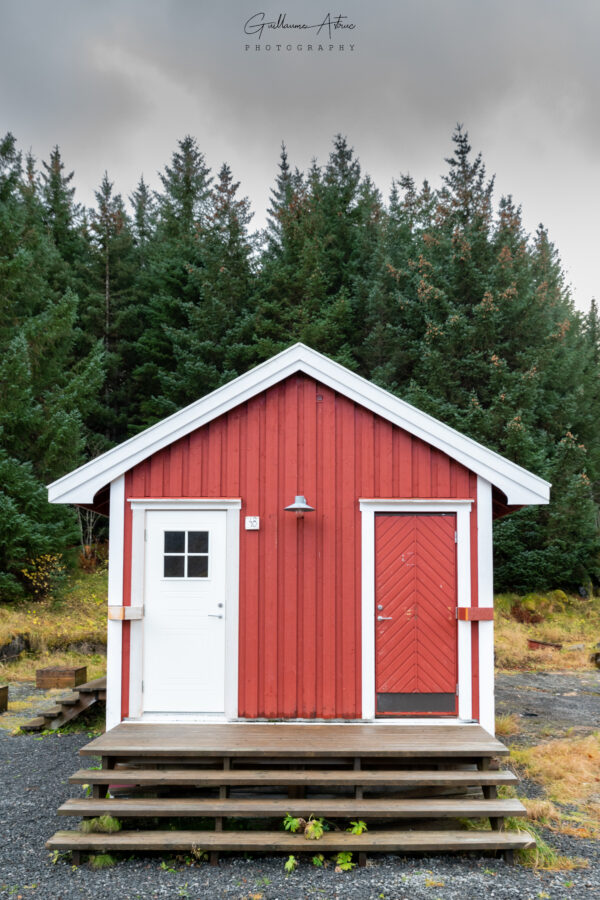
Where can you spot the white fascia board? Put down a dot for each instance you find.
(520, 486)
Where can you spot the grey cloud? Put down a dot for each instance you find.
(116, 83)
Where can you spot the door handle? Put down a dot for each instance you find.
(214, 616)
(383, 618)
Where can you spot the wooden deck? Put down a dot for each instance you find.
(275, 739)
(410, 783)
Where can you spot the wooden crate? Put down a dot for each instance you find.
(3, 697)
(60, 676)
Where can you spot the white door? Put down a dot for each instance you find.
(184, 611)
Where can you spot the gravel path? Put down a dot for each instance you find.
(34, 773)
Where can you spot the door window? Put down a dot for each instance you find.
(185, 554)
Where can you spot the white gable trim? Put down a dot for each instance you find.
(519, 485)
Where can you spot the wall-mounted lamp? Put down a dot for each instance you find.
(299, 506)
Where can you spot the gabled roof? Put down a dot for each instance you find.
(520, 486)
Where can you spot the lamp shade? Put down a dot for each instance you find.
(299, 505)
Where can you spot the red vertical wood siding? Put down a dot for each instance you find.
(300, 587)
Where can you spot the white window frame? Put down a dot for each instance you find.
(462, 510)
(139, 509)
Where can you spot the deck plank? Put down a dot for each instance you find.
(280, 739)
(269, 806)
(273, 777)
(280, 841)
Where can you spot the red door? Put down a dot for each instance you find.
(415, 614)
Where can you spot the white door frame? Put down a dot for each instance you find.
(139, 508)
(462, 509)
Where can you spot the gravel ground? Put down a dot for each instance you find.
(38, 700)
(34, 773)
(546, 702)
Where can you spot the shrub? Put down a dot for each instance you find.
(43, 575)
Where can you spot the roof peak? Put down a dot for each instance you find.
(519, 485)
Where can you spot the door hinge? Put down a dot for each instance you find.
(142, 687)
(456, 537)
(456, 691)
(145, 535)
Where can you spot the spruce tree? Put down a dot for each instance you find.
(211, 346)
(168, 282)
(104, 316)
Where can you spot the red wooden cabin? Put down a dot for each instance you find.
(374, 605)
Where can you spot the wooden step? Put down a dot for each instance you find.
(306, 777)
(35, 724)
(282, 841)
(69, 699)
(67, 713)
(97, 684)
(68, 707)
(335, 808)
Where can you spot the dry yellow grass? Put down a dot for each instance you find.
(566, 620)
(76, 616)
(506, 725)
(543, 811)
(24, 668)
(568, 768)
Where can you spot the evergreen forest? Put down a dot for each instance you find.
(115, 316)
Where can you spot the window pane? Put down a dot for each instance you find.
(174, 541)
(197, 541)
(197, 567)
(174, 567)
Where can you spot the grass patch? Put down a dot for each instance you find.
(75, 614)
(100, 825)
(24, 668)
(569, 769)
(20, 705)
(102, 861)
(506, 725)
(553, 617)
(542, 811)
(543, 856)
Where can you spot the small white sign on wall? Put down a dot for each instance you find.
(252, 523)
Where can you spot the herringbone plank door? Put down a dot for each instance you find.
(415, 618)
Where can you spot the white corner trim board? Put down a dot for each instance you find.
(462, 509)
(115, 602)
(485, 571)
(519, 486)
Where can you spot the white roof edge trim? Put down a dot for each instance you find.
(520, 486)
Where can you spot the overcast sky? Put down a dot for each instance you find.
(117, 82)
